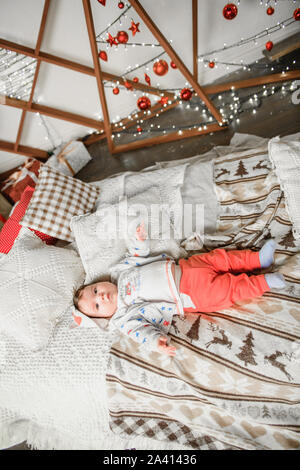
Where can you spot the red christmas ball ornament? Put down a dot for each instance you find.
(173, 65)
(139, 129)
(160, 67)
(103, 55)
(270, 11)
(116, 91)
(230, 11)
(269, 45)
(296, 14)
(121, 5)
(144, 103)
(186, 94)
(122, 37)
(211, 64)
(135, 80)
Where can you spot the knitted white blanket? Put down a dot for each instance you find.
(56, 398)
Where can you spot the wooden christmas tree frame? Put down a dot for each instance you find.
(104, 128)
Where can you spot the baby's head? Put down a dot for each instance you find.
(97, 300)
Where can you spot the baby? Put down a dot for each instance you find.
(146, 292)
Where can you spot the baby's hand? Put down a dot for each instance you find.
(141, 233)
(164, 348)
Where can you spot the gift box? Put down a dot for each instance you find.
(5, 208)
(69, 158)
(25, 175)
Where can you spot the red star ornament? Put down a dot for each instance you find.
(128, 85)
(111, 40)
(163, 100)
(134, 28)
(102, 2)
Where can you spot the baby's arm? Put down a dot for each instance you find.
(164, 348)
(144, 331)
(139, 243)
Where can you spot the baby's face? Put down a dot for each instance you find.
(99, 299)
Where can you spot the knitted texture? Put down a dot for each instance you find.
(56, 398)
(100, 238)
(285, 158)
(37, 284)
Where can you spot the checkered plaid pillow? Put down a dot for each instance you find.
(56, 199)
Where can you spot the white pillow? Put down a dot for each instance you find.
(37, 284)
(99, 251)
(285, 158)
(199, 188)
(204, 157)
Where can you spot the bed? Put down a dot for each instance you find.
(234, 383)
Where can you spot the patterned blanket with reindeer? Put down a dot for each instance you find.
(234, 383)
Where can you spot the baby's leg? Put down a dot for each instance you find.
(266, 253)
(275, 280)
(223, 261)
(227, 289)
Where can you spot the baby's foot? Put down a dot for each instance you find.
(275, 280)
(266, 253)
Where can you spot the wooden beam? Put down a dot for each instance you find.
(157, 109)
(99, 78)
(36, 73)
(195, 40)
(77, 67)
(252, 82)
(53, 112)
(138, 86)
(127, 122)
(42, 27)
(20, 130)
(23, 150)
(173, 136)
(209, 89)
(170, 51)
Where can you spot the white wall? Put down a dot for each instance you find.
(66, 36)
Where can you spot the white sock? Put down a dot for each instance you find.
(266, 253)
(275, 280)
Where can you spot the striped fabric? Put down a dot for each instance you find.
(57, 198)
(235, 378)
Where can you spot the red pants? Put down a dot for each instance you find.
(210, 281)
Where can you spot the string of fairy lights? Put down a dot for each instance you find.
(17, 72)
(230, 105)
(17, 83)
